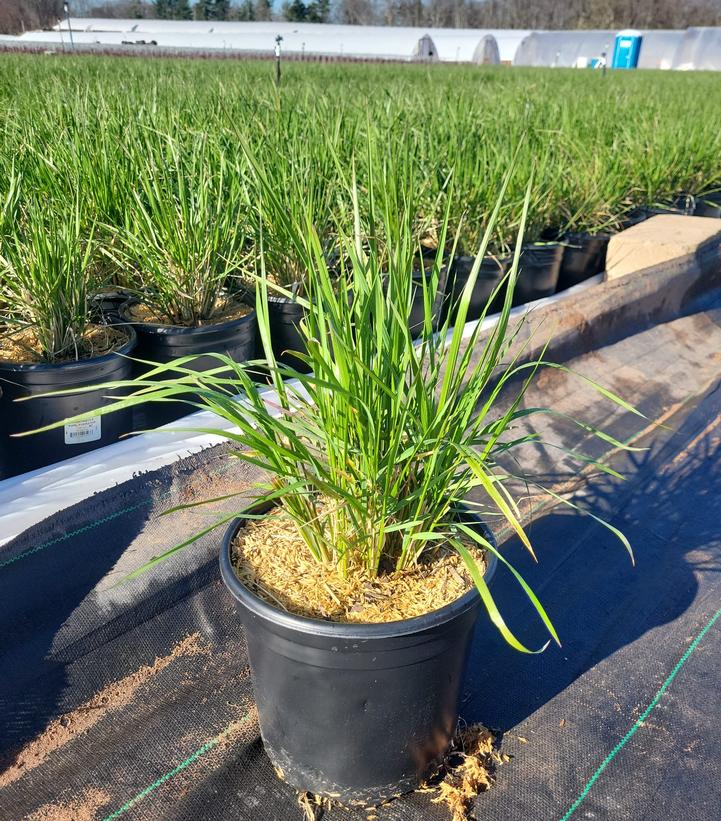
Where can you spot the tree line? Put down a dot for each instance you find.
(20, 15)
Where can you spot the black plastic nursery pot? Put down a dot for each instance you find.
(584, 256)
(284, 316)
(708, 205)
(109, 303)
(355, 712)
(538, 270)
(19, 455)
(491, 272)
(164, 343)
(417, 315)
(684, 206)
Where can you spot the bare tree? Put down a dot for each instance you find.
(356, 12)
(19, 15)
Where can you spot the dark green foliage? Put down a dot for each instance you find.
(173, 10)
(212, 9)
(245, 11)
(295, 11)
(319, 11)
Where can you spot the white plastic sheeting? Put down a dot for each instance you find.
(700, 50)
(578, 49)
(294, 42)
(486, 52)
(384, 46)
(696, 48)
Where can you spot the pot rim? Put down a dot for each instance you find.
(582, 236)
(500, 263)
(181, 330)
(248, 297)
(346, 630)
(37, 367)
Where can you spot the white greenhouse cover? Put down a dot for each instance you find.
(695, 48)
(700, 50)
(576, 49)
(564, 49)
(487, 52)
(658, 48)
(383, 46)
(398, 42)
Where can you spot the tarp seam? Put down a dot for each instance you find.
(639, 722)
(201, 751)
(72, 533)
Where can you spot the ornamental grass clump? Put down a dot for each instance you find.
(289, 180)
(46, 282)
(374, 453)
(184, 235)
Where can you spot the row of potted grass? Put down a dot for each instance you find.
(593, 150)
(183, 254)
(133, 329)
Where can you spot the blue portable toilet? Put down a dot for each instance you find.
(627, 49)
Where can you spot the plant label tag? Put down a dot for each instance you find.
(77, 433)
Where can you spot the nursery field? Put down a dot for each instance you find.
(100, 131)
(154, 194)
(168, 178)
(354, 277)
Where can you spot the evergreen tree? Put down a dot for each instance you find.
(173, 10)
(295, 11)
(212, 9)
(245, 12)
(202, 9)
(319, 11)
(182, 10)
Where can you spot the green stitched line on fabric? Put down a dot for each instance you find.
(622, 743)
(163, 778)
(72, 533)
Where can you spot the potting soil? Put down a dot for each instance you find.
(134, 700)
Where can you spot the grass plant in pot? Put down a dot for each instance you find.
(358, 565)
(280, 191)
(398, 234)
(50, 340)
(182, 240)
(540, 258)
(491, 273)
(586, 216)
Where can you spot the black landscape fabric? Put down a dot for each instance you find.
(135, 701)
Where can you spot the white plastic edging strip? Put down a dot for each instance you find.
(27, 499)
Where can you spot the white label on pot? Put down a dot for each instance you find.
(78, 432)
